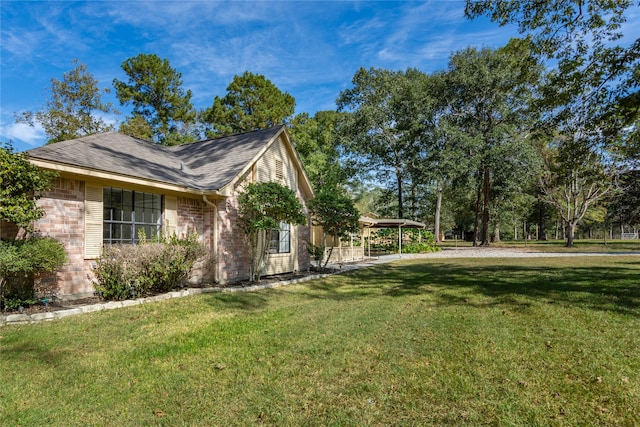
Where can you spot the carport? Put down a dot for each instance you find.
(369, 223)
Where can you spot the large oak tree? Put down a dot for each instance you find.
(490, 114)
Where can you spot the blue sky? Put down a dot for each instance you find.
(309, 49)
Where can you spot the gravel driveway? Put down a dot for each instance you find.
(489, 252)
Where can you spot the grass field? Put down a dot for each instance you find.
(539, 341)
(581, 245)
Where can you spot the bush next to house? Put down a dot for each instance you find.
(20, 261)
(132, 271)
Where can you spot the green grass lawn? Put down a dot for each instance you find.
(542, 341)
(581, 245)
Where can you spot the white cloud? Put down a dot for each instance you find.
(31, 135)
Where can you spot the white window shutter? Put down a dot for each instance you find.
(92, 221)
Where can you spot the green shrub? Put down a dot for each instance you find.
(132, 271)
(20, 261)
(317, 254)
(419, 248)
(415, 241)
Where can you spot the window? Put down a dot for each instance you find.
(128, 213)
(280, 240)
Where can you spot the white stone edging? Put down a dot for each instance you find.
(18, 319)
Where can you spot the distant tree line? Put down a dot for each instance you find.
(496, 145)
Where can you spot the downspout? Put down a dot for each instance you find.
(214, 232)
(208, 202)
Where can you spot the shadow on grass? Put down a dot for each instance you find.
(614, 287)
(247, 301)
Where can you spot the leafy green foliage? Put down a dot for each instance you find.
(596, 79)
(137, 126)
(70, 111)
(574, 180)
(490, 115)
(19, 261)
(132, 271)
(377, 133)
(335, 213)
(252, 102)
(20, 185)
(625, 204)
(414, 241)
(155, 90)
(262, 207)
(317, 141)
(337, 216)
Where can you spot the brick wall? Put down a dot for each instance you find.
(233, 251)
(64, 221)
(194, 216)
(190, 217)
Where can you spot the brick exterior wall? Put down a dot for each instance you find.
(194, 216)
(233, 251)
(64, 221)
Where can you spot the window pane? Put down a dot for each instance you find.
(127, 205)
(126, 212)
(116, 232)
(106, 232)
(156, 231)
(274, 238)
(127, 232)
(106, 197)
(285, 241)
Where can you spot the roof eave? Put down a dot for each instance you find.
(99, 175)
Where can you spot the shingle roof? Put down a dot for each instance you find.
(206, 165)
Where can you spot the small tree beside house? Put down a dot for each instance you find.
(25, 254)
(337, 216)
(265, 207)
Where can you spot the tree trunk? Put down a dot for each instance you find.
(571, 234)
(477, 216)
(400, 207)
(486, 187)
(496, 235)
(414, 202)
(542, 222)
(437, 213)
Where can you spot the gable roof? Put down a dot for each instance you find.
(205, 167)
